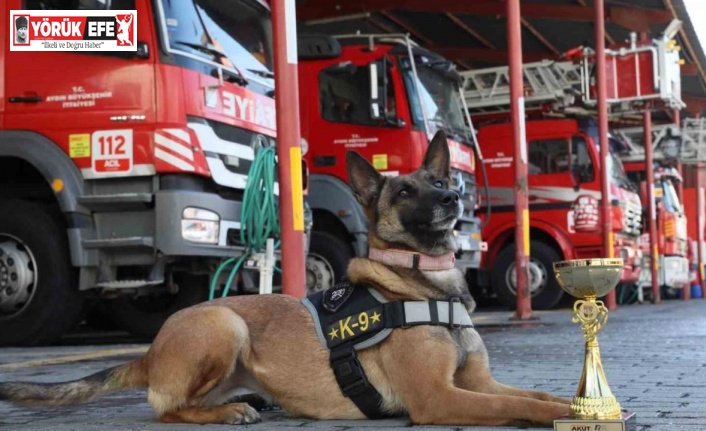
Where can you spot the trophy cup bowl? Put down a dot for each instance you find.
(583, 278)
(594, 407)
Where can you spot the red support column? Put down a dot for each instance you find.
(676, 115)
(288, 147)
(602, 96)
(700, 225)
(517, 110)
(651, 207)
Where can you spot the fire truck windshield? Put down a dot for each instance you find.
(237, 34)
(617, 173)
(440, 96)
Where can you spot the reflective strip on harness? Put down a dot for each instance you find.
(420, 313)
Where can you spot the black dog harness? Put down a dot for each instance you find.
(350, 317)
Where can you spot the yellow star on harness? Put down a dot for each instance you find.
(375, 317)
(333, 333)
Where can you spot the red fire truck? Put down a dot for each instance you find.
(695, 235)
(385, 97)
(564, 193)
(122, 174)
(693, 157)
(564, 163)
(672, 241)
(670, 216)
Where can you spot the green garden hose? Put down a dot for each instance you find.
(259, 215)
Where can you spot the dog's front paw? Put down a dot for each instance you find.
(241, 413)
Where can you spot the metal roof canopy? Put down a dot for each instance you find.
(472, 33)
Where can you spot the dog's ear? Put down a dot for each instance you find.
(438, 159)
(365, 180)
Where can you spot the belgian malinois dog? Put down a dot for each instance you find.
(268, 343)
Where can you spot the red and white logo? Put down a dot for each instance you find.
(586, 215)
(73, 30)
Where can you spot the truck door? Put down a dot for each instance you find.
(78, 98)
(347, 123)
(560, 170)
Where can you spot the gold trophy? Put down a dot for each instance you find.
(594, 408)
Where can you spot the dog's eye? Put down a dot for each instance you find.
(404, 193)
(438, 183)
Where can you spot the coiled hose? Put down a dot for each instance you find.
(259, 216)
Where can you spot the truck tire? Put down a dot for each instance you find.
(144, 316)
(545, 291)
(326, 262)
(39, 297)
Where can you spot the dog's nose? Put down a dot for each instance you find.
(449, 197)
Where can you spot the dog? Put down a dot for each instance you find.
(270, 344)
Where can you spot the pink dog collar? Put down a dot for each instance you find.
(408, 259)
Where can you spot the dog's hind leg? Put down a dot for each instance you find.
(192, 366)
(475, 376)
(232, 414)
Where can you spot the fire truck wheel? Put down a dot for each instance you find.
(39, 297)
(669, 292)
(545, 291)
(144, 316)
(326, 262)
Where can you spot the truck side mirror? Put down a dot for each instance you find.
(94, 4)
(377, 111)
(379, 94)
(143, 50)
(576, 176)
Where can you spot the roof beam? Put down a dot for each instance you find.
(381, 25)
(468, 29)
(632, 18)
(689, 69)
(408, 28)
(636, 19)
(694, 104)
(540, 37)
(416, 34)
(608, 37)
(457, 53)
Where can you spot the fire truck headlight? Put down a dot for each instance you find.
(200, 225)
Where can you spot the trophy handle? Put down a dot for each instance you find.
(592, 315)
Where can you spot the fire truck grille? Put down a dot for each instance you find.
(236, 135)
(632, 217)
(465, 185)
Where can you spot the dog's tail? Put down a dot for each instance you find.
(126, 376)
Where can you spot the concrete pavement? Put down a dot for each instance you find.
(654, 357)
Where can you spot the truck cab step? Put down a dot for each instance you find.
(112, 243)
(117, 202)
(128, 284)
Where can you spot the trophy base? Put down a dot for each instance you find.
(627, 422)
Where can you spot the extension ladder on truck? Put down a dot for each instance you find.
(641, 76)
(665, 140)
(694, 140)
(545, 82)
